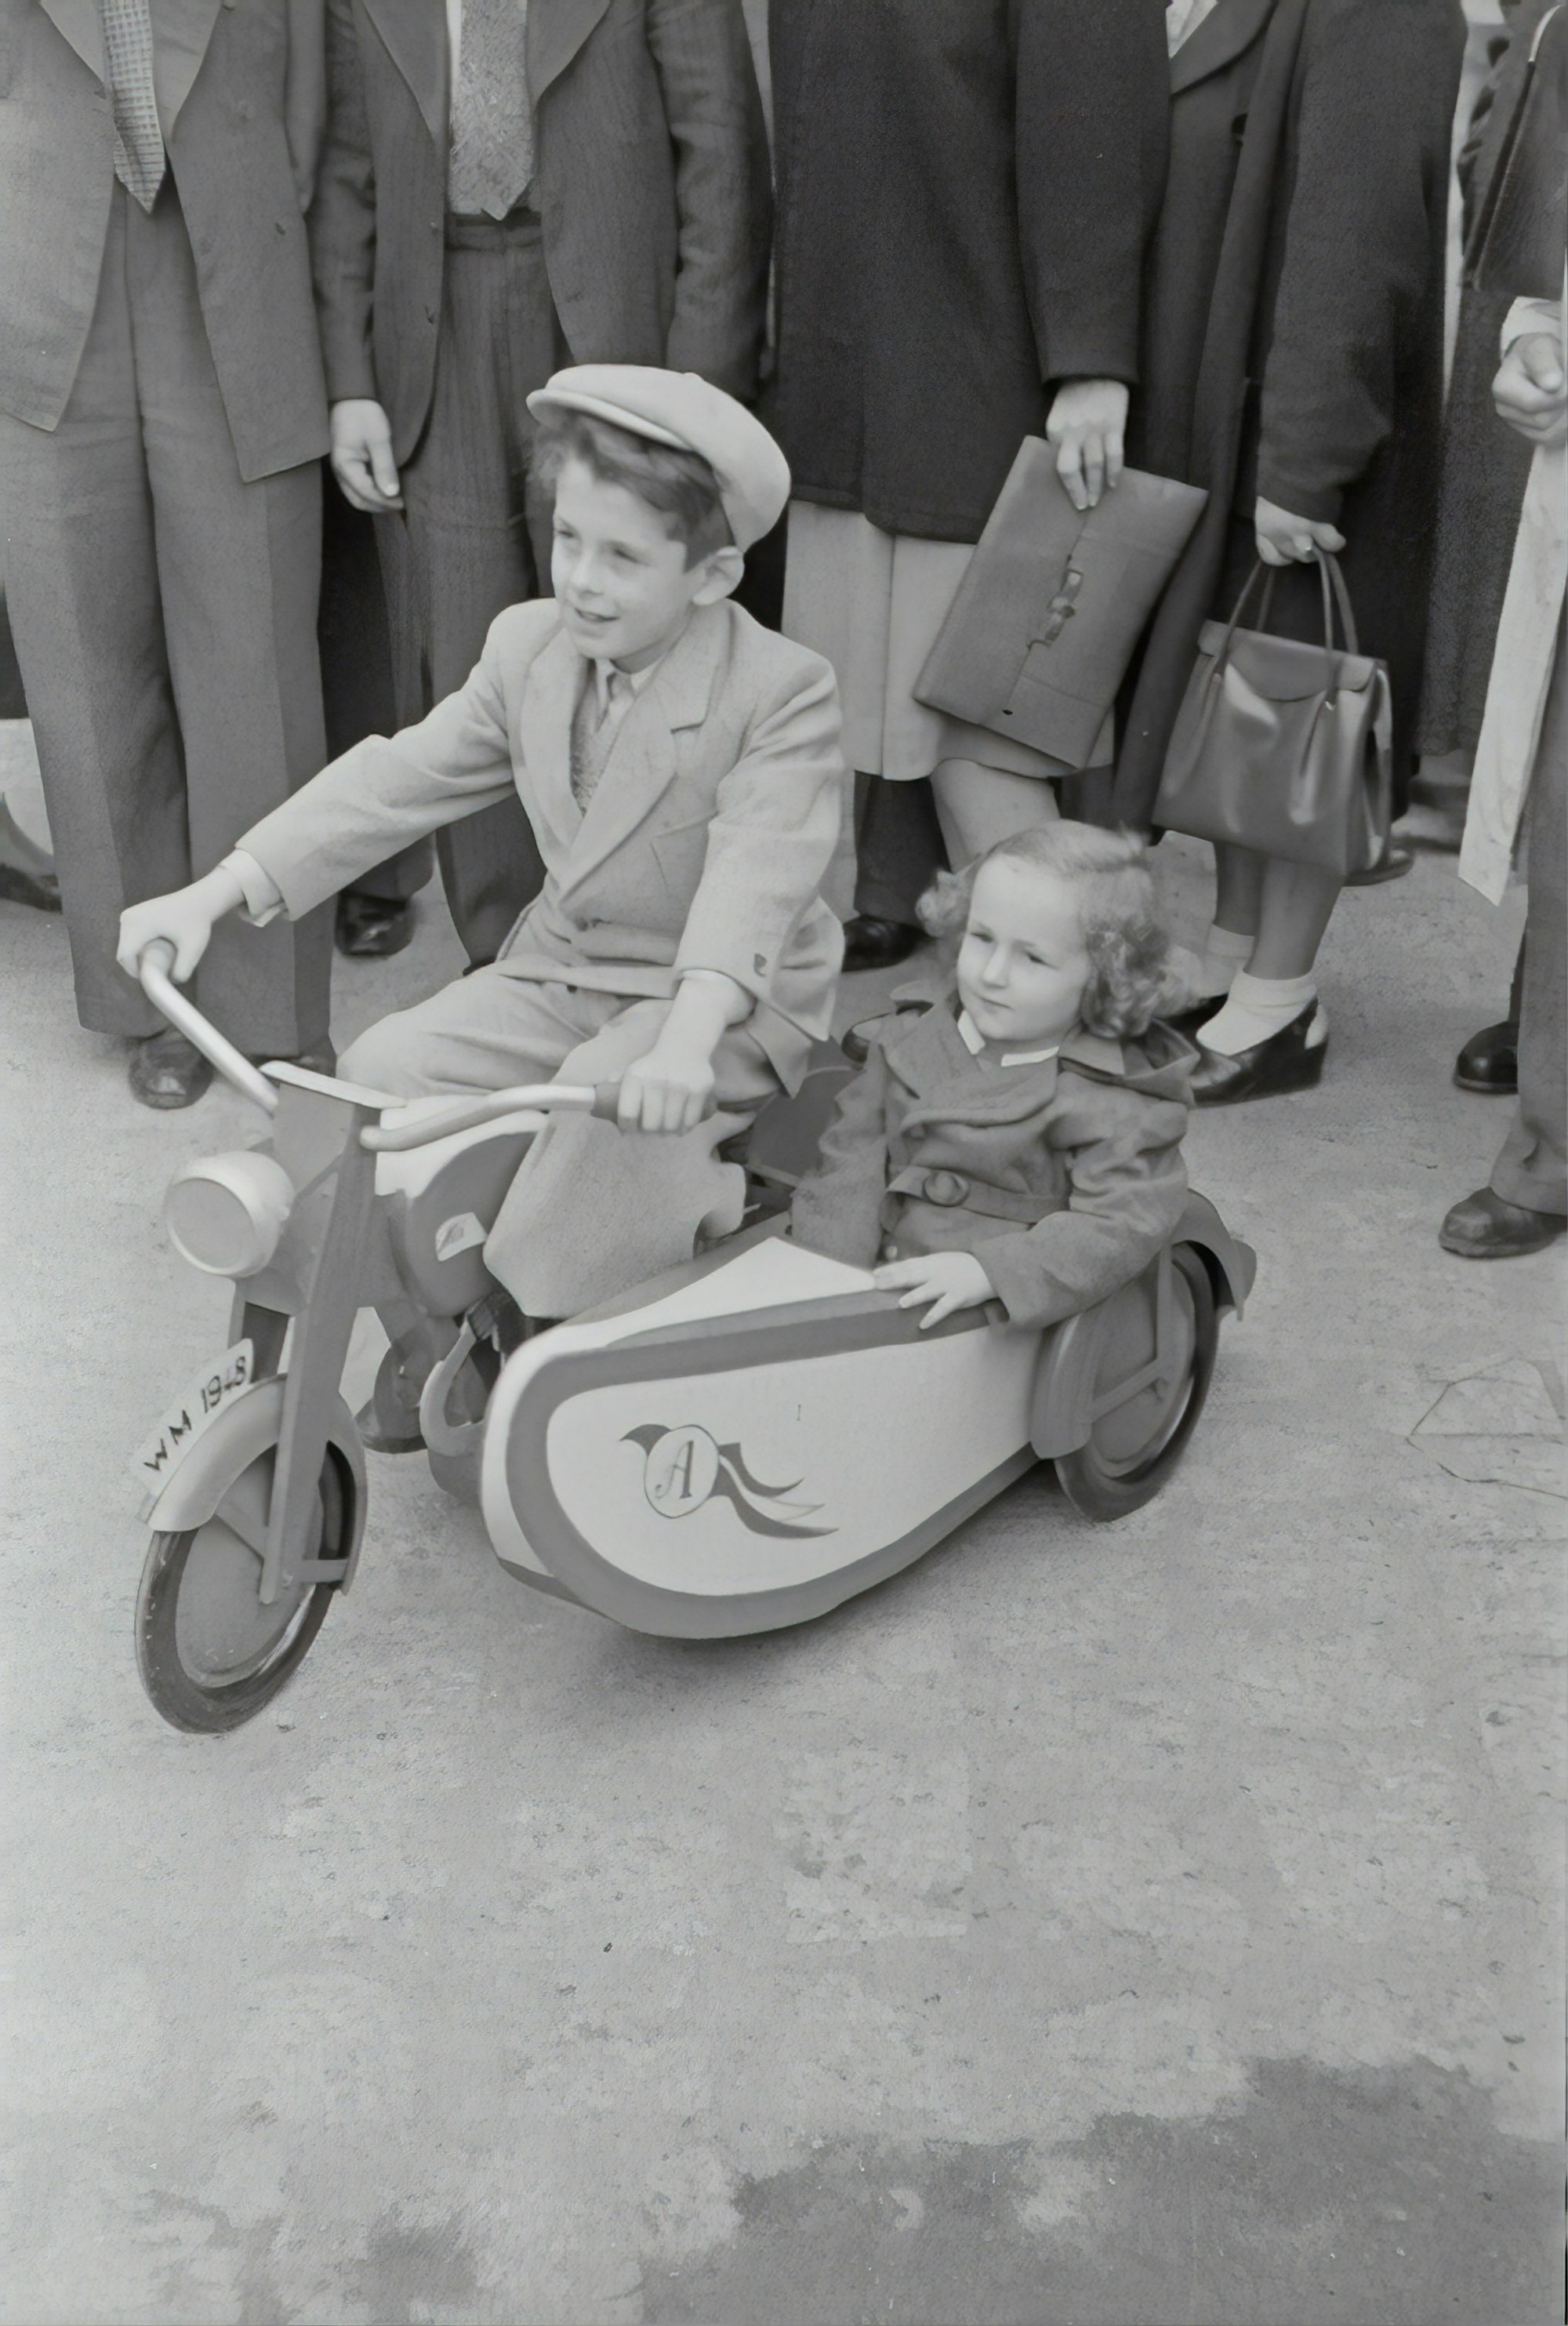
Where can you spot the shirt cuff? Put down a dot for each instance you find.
(714, 977)
(263, 899)
(1528, 315)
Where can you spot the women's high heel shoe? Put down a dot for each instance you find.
(1283, 1061)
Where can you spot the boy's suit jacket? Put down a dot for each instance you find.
(714, 829)
(1065, 1177)
(241, 101)
(650, 179)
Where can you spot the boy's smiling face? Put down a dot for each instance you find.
(621, 579)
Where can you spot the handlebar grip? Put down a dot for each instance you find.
(606, 1100)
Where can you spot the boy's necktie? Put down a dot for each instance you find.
(491, 161)
(139, 157)
(594, 731)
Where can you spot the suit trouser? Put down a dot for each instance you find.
(1532, 1168)
(164, 613)
(468, 542)
(592, 1211)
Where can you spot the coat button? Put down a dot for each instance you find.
(944, 1188)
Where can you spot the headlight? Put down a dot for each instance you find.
(225, 1213)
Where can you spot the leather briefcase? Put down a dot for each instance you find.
(1054, 600)
(1281, 746)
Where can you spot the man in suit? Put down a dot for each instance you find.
(162, 413)
(508, 186)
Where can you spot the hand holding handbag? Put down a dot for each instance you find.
(1282, 746)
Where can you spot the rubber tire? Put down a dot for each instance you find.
(185, 1698)
(1103, 1490)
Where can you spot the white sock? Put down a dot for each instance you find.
(1257, 1007)
(1225, 951)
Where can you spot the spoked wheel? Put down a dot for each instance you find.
(210, 1655)
(1137, 1439)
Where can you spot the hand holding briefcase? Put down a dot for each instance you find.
(1039, 636)
(1282, 746)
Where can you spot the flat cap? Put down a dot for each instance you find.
(682, 409)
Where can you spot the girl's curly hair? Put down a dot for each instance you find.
(1130, 978)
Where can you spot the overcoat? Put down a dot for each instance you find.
(1293, 310)
(1484, 464)
(650, 180)
(707, 843)
(241, 101)
(1065, 1176)
(965, 189)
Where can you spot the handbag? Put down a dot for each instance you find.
(1043, 624)
(1283, 747)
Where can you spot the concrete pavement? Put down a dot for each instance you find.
(1150, 1926)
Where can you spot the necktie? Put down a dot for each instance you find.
(139, 157)
(492, 149)
(595, 730)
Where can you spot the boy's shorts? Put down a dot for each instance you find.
(592, 1210)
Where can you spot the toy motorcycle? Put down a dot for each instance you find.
(740, 1444)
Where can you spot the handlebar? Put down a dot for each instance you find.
(601, 1100)
(544, 1098)
(153, 968)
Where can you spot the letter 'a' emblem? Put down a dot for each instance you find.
(685, 1468)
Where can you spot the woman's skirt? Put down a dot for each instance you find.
(871, 603)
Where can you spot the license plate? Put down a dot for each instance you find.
(182, 1423)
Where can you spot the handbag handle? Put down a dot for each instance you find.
(1335, 594)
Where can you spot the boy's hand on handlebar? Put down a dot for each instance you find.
(669, 1090)
(947, 1279)
(185, 917)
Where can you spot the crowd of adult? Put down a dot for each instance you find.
(268, 240)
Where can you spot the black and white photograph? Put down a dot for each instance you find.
(784, 1162)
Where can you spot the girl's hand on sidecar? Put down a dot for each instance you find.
(947, 1279)
(185, 917)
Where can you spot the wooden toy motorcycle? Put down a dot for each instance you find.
(739, 1445)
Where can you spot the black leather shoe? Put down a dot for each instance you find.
(168, 1071)
(1282, 1062)
(873, 943)
(1392, 865)
(370, 928)
(1486, 1227)
(39, 889)
(1490, 1061)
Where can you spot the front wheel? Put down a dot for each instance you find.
(211, 1656)
(1137, 1441)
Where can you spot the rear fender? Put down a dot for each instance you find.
(1062, 1416)
(241, 1434)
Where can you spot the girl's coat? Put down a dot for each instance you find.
(1068, 1172)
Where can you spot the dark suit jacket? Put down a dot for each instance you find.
(965, 190)
(1293, 313)
(651, 181)
(240, 87)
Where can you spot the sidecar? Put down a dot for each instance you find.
(764, 1435)
(739, 1445)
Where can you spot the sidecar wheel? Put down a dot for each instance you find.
(210, 1655)
(1135, 1446)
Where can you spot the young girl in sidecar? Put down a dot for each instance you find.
(993, 1259)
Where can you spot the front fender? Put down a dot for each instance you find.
(239, 1436)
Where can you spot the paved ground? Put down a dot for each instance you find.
(1155, 1926)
